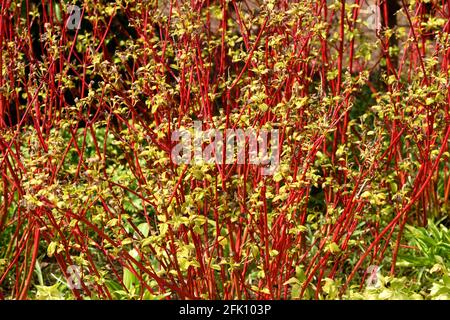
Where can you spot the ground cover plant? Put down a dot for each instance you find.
(93, 205)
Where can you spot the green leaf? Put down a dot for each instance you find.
(277, 177)
(144, 228)
(273, 253)
(129, 279)
(263, 107)
(333, 248)
(291, 281)
(51, 248)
